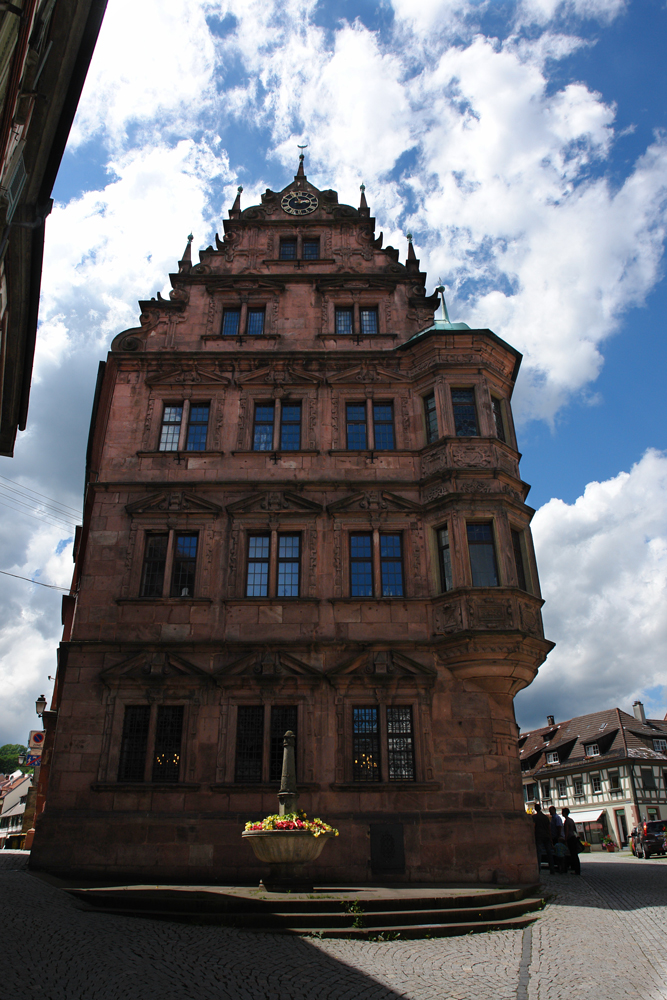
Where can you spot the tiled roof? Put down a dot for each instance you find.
(617, 734)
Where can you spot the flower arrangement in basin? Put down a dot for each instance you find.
(288, 840)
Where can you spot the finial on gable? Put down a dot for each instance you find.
(236, 207)
(412, 261)
(441, 292)
(362, 201)
(300, 172)
(185, 263)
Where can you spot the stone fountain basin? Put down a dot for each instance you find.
(286, 846)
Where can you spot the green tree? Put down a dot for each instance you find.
(9, 758)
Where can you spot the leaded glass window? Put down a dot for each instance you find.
(365, 744)
(431, 419)
(311, 249)
(168, 734)
(356, 426)
(361, 565)
(369, 321)
(262, 435)
(391, 565)
(255, 322)
(197, 427)
(185, 561)
(231, 322)
(498, 418)
(249, 744)
(288, 250)
(288, 565)
(258, 566)
(343, 321)
(283, 720)
(400, 744)
(290, 427)
(171, 428)
(518, 559)
(465, 414)
(155, 558)
(445, 559)
(134, 742)
(383, 426)
(482, 555)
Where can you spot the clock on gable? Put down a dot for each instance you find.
(298, 203)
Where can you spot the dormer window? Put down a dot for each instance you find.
(660, 746)
(592, 750)
(552, 757)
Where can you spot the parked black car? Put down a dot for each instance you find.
(649, 838)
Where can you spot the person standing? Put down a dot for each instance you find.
(556, 825)
(572, 841)
(543, 840)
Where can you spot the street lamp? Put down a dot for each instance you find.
(20, 759)
(40, 705)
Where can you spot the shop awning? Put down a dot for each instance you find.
(589, 816)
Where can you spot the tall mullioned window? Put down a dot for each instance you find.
(383, 426)
(255, 322)
(249, 744)
(498, 418)
(482, 555)
(518, 559)
(283, 719)
(361, 565)
(465, 412)
(185, 562)
(290, 427)
(400, 744)
(171, 427)
(231, 322)
(134, 742)
(391, 565)
(357, 437)
(368, 319)
(258, 566)
(366, 744)
(344, 321)
(262, 434)
(155, 560)
(168, 734)
(164, 765)
(445, 559)
(197, 427)
(288, 565)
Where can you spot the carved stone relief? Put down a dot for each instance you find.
(243, 414)
(470, 457)
(338, 560)
(312, 423)
(219, 421)
(146, 440)
(448, 618)
(530, 619)
(490, 613)
(312, 562)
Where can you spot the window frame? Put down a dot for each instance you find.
(273, 560)
(660, 746)
(596, 783)
(367, 312)
(288, 241)
(460, 403)
(553, 757)
(315, 240)
(194, 406)
(255, 311)
(379, 424)
(284, 424)
(520, 564)
(592, 749)
(146, 771)
(340, 311)
(252, 560)
(356, 423)
(498, 414)
(169, 564)
(478, 543)
(229, 311)
(377, 561)
(268, 742)
(165, 425)
(431, 419)
(444, 558)
(256, 424)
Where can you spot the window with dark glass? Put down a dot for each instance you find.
(290, 427)
(391, 565)
(311, 249)
(498, 418)
(197, 427)
(648, 779)
(171, 428)
(465, 414)
(168, 733)
(578, 785)
(288, 565)
(361, 565)
(383, 426)
(518, 559)
(258, 566)
(255, 322)
(262, 433)
(368, 318)
(231, 322)
(155, 558)
(445, 558)
(249, 744)
(431, 419)
(288, 249)
(482, 555)
(365, 744)
(283, 720)
(184, 565)
(134, 743)
(356, 426)
(344, 321)
(614, 781)
(400, 744)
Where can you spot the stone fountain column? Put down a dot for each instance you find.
(288, 795)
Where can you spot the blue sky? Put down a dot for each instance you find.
(522, 143)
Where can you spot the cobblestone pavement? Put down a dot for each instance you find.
(601, 937)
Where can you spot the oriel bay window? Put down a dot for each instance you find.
(374, 743)
(517, 548)
(481, 548)
(159, 727)
(259, 750)
(274, 564)
(444, 558)
(431, 419)
(498, 420)
(376, 564)
(170, 563)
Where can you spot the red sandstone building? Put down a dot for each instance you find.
(303, 511)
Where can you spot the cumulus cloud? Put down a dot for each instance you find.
(603, 566)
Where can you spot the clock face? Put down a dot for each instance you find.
(299, 203)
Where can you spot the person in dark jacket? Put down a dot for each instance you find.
(572, 841)
(543, 840)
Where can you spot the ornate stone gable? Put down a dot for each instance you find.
(266, 665)
(153, 668)
(279, 375)
(274, 500)
(373, 500)
(366, 373)
(191, 375)
(173, 502)
(384, 664)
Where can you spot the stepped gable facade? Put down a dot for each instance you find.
(303, 511)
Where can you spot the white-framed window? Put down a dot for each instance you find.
(562, 789)
(578, 787)
(596, 783)
(614, 781)
(660, 746)
(552, 757)
(592, 750)
(546, 790)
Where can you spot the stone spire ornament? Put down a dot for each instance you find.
(185, 263)
(301, 172)
(236, 207)
(288, 795)
(362, 201)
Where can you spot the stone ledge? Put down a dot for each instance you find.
(261, 787)
(165, 600)
(144, 786)
(386, 786)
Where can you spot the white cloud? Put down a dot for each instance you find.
(603, 566)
